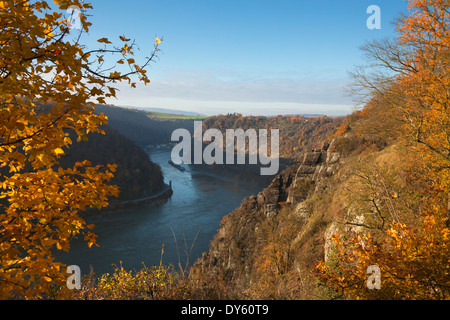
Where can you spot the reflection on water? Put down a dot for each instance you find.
(192, 216)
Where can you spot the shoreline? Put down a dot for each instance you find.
(160, 197)
(164, 194)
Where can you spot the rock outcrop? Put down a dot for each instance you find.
(287, 186)
(240, 233)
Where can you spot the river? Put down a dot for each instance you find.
(135, 235)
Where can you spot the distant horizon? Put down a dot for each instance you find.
(186, 112)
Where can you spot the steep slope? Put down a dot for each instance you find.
(137, 126)
(137, 176)
(297, 133)
(268, 248)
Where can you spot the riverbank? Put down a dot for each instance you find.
(156, 198)
(165, 194)
(160, 197)
(114, 205)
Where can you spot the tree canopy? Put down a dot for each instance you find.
(407, 82)
(49, 83)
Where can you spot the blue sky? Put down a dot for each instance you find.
(250, 56)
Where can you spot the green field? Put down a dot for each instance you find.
(170, 116)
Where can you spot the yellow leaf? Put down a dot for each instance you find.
(58, 151)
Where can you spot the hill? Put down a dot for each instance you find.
(171, 116)
(369, 196)
(297, 133)
(137, 176)
(140, 127)
(166, 111)
(269, 246)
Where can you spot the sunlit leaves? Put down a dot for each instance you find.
(413, 260)
(413, 252)
(49, 83)
(146, 284)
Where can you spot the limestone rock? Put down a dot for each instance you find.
(333, 157)
(302, 210)
(312, 158)
(260, 199)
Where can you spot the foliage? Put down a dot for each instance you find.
(413, 261)
(168, 116)
(137, 126)
(297, 133)
(410, 243)
(48, 81)
(145, 284)
(136, 176)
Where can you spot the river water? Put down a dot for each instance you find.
(185, 224)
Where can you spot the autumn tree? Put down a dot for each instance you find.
(49, 84)
(410, 76)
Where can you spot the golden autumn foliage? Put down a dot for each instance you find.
(49, 83)
(340, 131)
(413, 262)
(155, 283)
(412, 250)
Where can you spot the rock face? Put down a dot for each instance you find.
(287, 186)
(239, 233)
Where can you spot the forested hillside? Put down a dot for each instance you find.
(374, 197)
(140, 127)
(297, 133)
(136, 176)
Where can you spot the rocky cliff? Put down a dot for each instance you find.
(267, 247)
